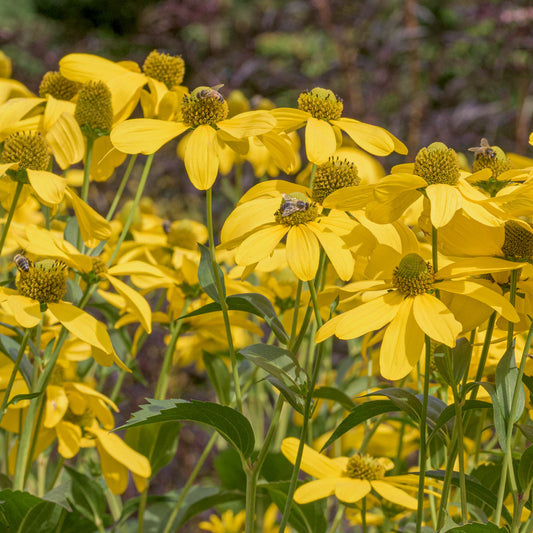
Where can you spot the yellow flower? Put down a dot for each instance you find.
(350, 479)
(410, 311)
(320, 112)
(270, 211)
(229, 522)
(204, 112)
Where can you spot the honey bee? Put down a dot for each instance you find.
(22, 262)
(210, 92)
(484, 150)
(292, 205)
(166, 226)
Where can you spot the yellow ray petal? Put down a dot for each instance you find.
(369, 316)
(445, 201)
(66, 140)
(483, 294)
(273, 188)
(260, 244)
(394, 494)
(115, 473)
(56, 405)
(315, 490)
(320, 141)
(68, 439)
(350, 198)
(27, 312)
(48, 187)
(303, 252)
(475, 266)
(289, 119)
(402, 345)
(201, 159)
(282, 151)
(435, 319)
(313, 463)
(248, 124)
(144, 135)
(352, 490)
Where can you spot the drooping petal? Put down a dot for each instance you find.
(315, 490)
(115, 473)
(369, 316)
(289, 119)
(352, 490)
(435, 319)
(303, 252)
(397, 183)
(56, 405)
(320, 140)
(12, 113)
(66, 140)
(106, 158)
(392, 209)
(201, 159)
(340, 256)
(313, 463)
(137, 304)
(483, 294)
(402, 345)
(82, 325)
(260, 244)
(27, 312)
(144, 135)
(68, 439)
(476, 266)
(351, 198)
(282, 151)
(273, 188)
(445, 202)
(248, 124)
(394, 494)
(48, 187)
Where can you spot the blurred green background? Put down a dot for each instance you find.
(452, 71)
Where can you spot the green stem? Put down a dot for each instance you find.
(13, 375)
(140, 512)
(512, 299)
(136, 200)
(423, 444)
(312, 176)
(222, 302)
(9, 218)
(121, 188)
(297, 299)
(190, 481)
(337, 520)
(86, 179)
(57, 471)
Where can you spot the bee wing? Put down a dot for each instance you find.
(484, 143)
(217, 87)
(289, 209)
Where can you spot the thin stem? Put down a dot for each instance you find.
(512, 299)
(136, 200)
(86, 178)
(121, 188)
(312, 176)
(297, 299)
(222, 302)
(9, 218)
(337, 520)
(57, 471)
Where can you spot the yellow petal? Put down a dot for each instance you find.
(316, 490)
(483, 294)
(402, 345)
(303, 252)
(88, 391)
(248, 124)
(273, 188)
(397, 183)
(289, 119)
(260, 244)
(87, 67)
(476, 266)
(282, 151)
(394, 494)
(115, 473)
(445, 201)
(201, 159)
(93, 226)
(56, 405)
(137, 304)
(144, 135)
(27, 312)
(66, 141)
(369, 316)
(352, 490)
(435, 319)
(313, 463)
(341, 258)
(13, 111)
(248, 216)
(320, 141)
(68, 439)
(106, 158)
(82, 325)
(351, 198)
(48, 187)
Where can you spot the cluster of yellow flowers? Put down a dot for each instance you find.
(403, 266)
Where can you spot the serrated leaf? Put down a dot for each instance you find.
(88, 496)
(506, 381)
(219, 376)
(157, 442)
(336, 395)
(255, 304)
(11, 348)
(206, 275)
(359, 414)
(278, 362)
(232, 426)
(525, 469)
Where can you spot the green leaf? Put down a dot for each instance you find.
(359, 414)
(10, 347)
(294, 398)
(42, 518)
(336, 395)
(157, 442)
(527, 431)
(252, 303)
(219, 376)
(404, 399)
(19, 397)
(478, 528)
(506, 382)
(460, 361)
(88, 496)
(206, 275)
(525, 469)
(278, 362)
(499, 422)
(228, 465)
(232, 426)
